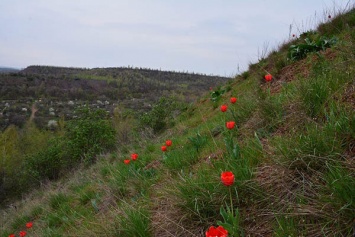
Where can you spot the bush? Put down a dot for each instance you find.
(161, 114)
(47, 163)
(86, 137)
(89, 135)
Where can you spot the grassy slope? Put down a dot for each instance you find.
(294, 172)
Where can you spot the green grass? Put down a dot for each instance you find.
(341, 184)
(179, 159)
(134, 222)
(286, 226)
(201, 194)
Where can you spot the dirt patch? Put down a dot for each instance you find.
(254, 227)
(218, 155)
(260, 217)
(278, 179)
(166, 218)
(107, 203)
(247, 129)
(350, 156)
(155, 164)
(298, 69)
(294, 119)
(349, 96)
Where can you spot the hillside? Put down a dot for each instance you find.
(270, 153)
(58, 91)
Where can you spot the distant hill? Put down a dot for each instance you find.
(8, 69)
(57, 91)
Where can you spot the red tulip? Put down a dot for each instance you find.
(127, 161)
(163, 148)
(29, 225)
(134, 156)
(233, 100)
(227, 178)
(268, 77)
(168, 142)
(23, 233)
(217, 232)
(224, 108)
(12, 235)
(230, 125)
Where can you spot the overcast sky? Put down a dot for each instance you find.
(204, 36)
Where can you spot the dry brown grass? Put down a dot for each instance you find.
(166, 217)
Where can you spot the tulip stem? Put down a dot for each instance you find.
(231, 200)
(209, 130)
(236, 192)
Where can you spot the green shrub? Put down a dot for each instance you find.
(161, 114)
(88, 135)
(47, 163)
(11, 159)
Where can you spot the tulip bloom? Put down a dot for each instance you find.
(230, 125)
(217, 232)
(163, 148)
(29, 225)
(224, 108)
(12, 235)
(23, 233)
(168, 142)
(127, 161)
(134, 156)
(233, 100)
(227, 178)
(268, 77)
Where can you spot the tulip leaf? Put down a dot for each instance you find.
(231, 221)
(300, 51)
